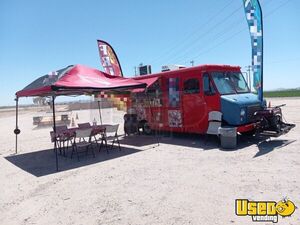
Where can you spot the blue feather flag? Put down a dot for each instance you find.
(254, 18)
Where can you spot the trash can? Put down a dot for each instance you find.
(130, 124)
(228, 137)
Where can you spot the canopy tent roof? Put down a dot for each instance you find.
(77, 80)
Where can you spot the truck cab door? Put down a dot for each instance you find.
(192, 104)
(211, 96)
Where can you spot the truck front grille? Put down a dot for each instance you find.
(250, 112)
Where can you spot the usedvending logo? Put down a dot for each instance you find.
(264, 211)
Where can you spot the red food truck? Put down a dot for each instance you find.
(180, 101)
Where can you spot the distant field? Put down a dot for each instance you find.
(284, 93)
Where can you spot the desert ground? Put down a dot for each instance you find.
(183, 180)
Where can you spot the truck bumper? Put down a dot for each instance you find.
(246, 128)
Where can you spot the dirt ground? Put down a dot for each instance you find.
(183, 180)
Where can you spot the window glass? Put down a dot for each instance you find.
(230, 82)
(191, 86)
(223, 83)
(239, 82)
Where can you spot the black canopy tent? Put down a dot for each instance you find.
(73, 80)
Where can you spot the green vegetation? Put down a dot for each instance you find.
(283, 93)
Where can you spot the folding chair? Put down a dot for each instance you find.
(88, 125)
(214, 122)
(61, 137)
(81, 142)
(111, 134)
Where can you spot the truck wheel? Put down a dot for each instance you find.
(146, 128)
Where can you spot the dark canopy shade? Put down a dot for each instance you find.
(77, 80)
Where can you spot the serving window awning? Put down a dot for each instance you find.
(148, 81)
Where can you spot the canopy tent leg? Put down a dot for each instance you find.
(54, 129)
(99, 107)
(17, 130)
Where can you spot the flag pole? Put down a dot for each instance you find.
(262, 54)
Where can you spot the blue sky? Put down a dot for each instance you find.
(37, 37)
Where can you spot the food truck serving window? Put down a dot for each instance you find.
(155, 94)
(155, 89)
(191, 86)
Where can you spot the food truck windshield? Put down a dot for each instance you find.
(230, 82)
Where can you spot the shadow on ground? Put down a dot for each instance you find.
(201, 142)
(42, 163)
(178, 139)
(264, 144)
(268, 146)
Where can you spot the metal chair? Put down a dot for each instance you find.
(61, 137)
(81, 142)
(111, 134)
(88, 125)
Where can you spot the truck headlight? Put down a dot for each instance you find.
(243, 112)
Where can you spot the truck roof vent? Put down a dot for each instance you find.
(171, 67)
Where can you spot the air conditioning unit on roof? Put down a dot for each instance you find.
(171, 67)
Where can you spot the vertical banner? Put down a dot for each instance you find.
(254, 18)
(174, 96)
(109, 59)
